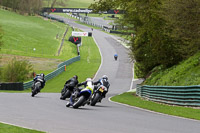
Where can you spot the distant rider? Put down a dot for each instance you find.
(102, 81)
(87, 83)
(115, 56)
(40, 78)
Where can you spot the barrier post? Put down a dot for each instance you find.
(65, 67)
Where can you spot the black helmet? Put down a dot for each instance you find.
(75, 76)
(105, 77)
(42, 74)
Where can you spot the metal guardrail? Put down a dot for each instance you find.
(174, 95)
(60, 69)
(70, 61)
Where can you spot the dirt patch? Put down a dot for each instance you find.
(38, 63)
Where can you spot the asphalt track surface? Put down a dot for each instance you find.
(46, 112)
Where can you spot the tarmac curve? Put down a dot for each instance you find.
(46, 112)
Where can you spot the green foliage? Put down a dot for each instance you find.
(151, 46)
(130, 98)
(102, 5)
(16, 71)
(184, 74)
(183, 17)
(23, 6)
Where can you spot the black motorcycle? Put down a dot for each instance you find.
(37, 86)
(66, 92)
(98, 95)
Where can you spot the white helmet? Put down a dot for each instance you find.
(88, 79)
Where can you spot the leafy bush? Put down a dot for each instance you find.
(16, 71)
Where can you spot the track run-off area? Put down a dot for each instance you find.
(46, 112)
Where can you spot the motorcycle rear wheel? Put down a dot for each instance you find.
(66, 95)
(36, 89)
(95, 99)
(79, 102)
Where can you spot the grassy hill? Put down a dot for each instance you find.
(69, 3)
(184, 74)
(35, 39)
(24, 33)
(30, 36)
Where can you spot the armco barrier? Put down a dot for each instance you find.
(61, 68)
(70, 61)
(174, 95)
(53, 18)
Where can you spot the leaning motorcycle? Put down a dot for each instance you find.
(98, 95)
(66, 92)
(81, 98)
(36, 87)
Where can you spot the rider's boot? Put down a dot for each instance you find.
(68, 104)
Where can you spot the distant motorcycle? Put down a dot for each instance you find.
(37, 86)
(98, 95)
(81, 98)
(66, 92)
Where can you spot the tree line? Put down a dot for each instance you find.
(165, 31)
(29, 7)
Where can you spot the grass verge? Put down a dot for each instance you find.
(5, 128)
(131, 99)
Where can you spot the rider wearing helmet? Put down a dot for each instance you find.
(102, 81)
(86, 83)
(72, 82)
(40, 78)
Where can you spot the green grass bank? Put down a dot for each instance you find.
(5, 128)
(185, 73)
(131, 99)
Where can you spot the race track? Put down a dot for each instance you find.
(46, 112)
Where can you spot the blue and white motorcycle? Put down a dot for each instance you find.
(83, 97)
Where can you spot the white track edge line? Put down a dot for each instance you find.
(101, 57)
(150, 110)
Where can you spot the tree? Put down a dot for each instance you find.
(183, 17)
(23, 6)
